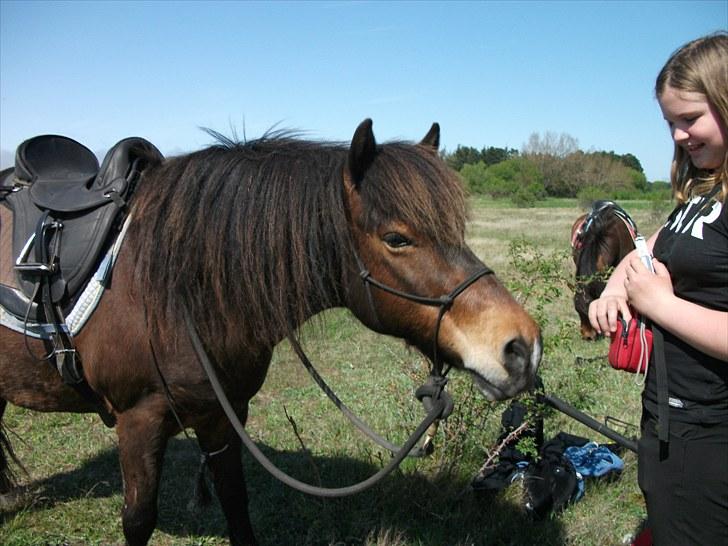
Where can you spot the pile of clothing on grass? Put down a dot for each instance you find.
(554, 478)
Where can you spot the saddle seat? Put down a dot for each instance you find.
(65, 211)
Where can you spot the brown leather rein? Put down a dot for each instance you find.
(436, 401)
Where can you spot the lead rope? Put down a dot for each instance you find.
(437, 409)
(658, 349)
(422, 451)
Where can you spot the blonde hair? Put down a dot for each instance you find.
(700, 66)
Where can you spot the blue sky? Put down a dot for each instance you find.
(491, 73)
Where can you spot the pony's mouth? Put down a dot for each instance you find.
(489, 390)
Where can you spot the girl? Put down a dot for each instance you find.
(684, 478)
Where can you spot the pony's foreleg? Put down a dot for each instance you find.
(142, 442)
(223, 447)
(7, 476)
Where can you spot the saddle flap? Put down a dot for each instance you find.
(70, 196)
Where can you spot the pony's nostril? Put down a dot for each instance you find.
(517, 354)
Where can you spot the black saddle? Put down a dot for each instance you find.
(65, 210)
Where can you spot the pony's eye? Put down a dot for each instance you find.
(396, 240)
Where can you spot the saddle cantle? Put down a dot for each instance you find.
(65, 209)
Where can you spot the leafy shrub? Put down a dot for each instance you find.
(588, 194)
(528, 196)
(517, 178)
(474, 177)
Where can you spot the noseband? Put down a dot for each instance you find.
(443, 302)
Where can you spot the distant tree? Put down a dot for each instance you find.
(632, 162)
(548, 153)
(492, 156)
(467, 155)
(608, 174)
(628, 160)
(563, 170)
(639, 180)
(463, 155)
(659, 185)
(550, 144)
(473, 175)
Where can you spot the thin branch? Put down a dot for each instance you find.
(303, 446)
(513, 435)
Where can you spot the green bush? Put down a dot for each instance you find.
(517, 178)
(528, 196)
(474, 177)
(588, 194)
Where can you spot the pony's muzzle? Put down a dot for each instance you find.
(521, 358)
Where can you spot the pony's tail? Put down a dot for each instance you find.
(8, 476)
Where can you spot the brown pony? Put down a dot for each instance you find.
(252, 239)
(599, 241)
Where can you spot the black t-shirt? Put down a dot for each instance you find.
(693, 245)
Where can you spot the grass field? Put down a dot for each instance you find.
(73, 486)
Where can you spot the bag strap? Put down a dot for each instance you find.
(663, 408)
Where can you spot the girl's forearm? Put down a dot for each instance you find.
(703, 328)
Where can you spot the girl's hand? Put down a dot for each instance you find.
(604, 312)
(645, 290)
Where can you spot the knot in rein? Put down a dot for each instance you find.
(432, 392)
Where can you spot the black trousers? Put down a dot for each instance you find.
(685, 483)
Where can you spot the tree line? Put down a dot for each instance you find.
(552, 165)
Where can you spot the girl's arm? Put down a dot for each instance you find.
(604, 311)
(652, 295)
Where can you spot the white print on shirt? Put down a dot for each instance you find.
(697, 221)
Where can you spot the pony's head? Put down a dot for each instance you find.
(406, 212)
(599, 240)
(254, 238)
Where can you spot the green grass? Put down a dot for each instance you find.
(73, 486)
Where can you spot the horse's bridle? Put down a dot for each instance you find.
(430, 393)
(597, 209)
(436, 401)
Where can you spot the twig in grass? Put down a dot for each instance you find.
(513, 435)
(581, 360)
(303, 446)
(489, 462)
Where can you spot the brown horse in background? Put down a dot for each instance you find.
(252, 239)
(599, 241)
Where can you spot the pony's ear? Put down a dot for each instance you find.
(362, 151)
(432, 138)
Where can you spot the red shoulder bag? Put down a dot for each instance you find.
(631, 346)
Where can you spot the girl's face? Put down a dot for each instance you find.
(696, 127)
